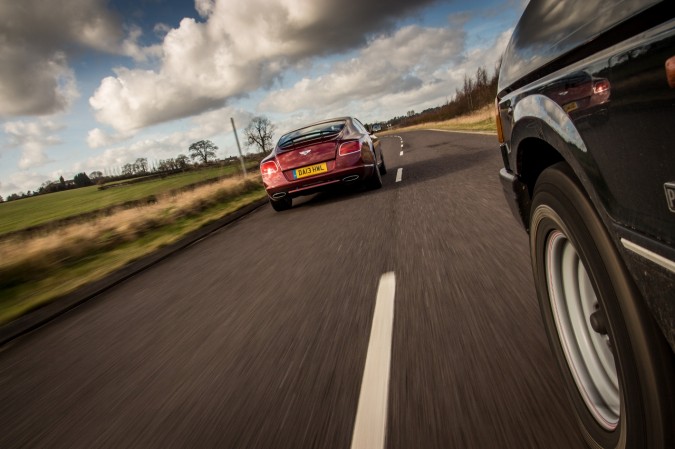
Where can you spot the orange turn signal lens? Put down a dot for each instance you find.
(498, 122)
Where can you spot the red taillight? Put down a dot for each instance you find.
(268, 168)
(349, 148)
(600, 86)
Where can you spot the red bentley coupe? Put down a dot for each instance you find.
(322, 155)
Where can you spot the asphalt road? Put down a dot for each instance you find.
(257, 336)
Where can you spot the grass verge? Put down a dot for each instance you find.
(479, 121)
(37, 270)
(43, 209)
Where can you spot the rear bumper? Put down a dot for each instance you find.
(325, 181)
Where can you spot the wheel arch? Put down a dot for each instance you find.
(543, 135)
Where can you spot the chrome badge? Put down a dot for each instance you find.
(669, 187)
(306, 152)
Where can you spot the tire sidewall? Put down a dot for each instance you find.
(559, 204)
(282, 204)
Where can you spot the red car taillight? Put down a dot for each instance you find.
(349, 148)
(600, 86)
(269, 168)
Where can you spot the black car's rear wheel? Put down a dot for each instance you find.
(284, 203)
(615, 363)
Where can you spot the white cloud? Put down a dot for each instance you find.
(130, 46)
(22, 182)
(421, 69)
(404, 62)
(30, 85)
(97, 138)
(33, 137)
(154, 147)
(36, 38)
(240, 47)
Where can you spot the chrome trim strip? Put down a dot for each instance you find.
(657, 259)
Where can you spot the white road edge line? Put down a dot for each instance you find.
(370, 426)
(399, 174)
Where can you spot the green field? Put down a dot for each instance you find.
(51, 280)
(38, 210)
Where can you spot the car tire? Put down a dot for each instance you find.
(383, 167)
(283, 204)
(616, 365)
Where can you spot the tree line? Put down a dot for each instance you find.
(477, 91)
(259, 134)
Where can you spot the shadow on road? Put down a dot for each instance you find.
(413, 173)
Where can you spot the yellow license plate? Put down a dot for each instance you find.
(569, 107)
(310, 170)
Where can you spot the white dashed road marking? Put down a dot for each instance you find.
(370, 426)
(401, 153)
(399, 174)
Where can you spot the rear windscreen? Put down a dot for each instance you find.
(311, 132)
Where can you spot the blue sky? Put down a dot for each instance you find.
(93, 84)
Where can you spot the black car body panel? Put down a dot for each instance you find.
(592, 89)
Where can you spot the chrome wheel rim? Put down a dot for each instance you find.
(582, 330)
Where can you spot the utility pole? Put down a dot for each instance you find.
(241, 158)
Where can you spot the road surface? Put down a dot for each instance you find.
(258, 335)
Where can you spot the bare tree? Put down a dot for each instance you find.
(141, 165)
(182, 161)
(260, 132)
(166, 164)
(203, 150)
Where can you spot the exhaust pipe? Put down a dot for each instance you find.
(278, 195)
(350, 178)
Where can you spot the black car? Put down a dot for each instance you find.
(586, 122)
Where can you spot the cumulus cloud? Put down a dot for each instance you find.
(238, 48)
(97, 138)
(402, 62)
(446, 79)
(422, 69)
(30, 85)
(32, 137)
(22, 182)
(208, 125)
(152, 148)
(35, 38)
